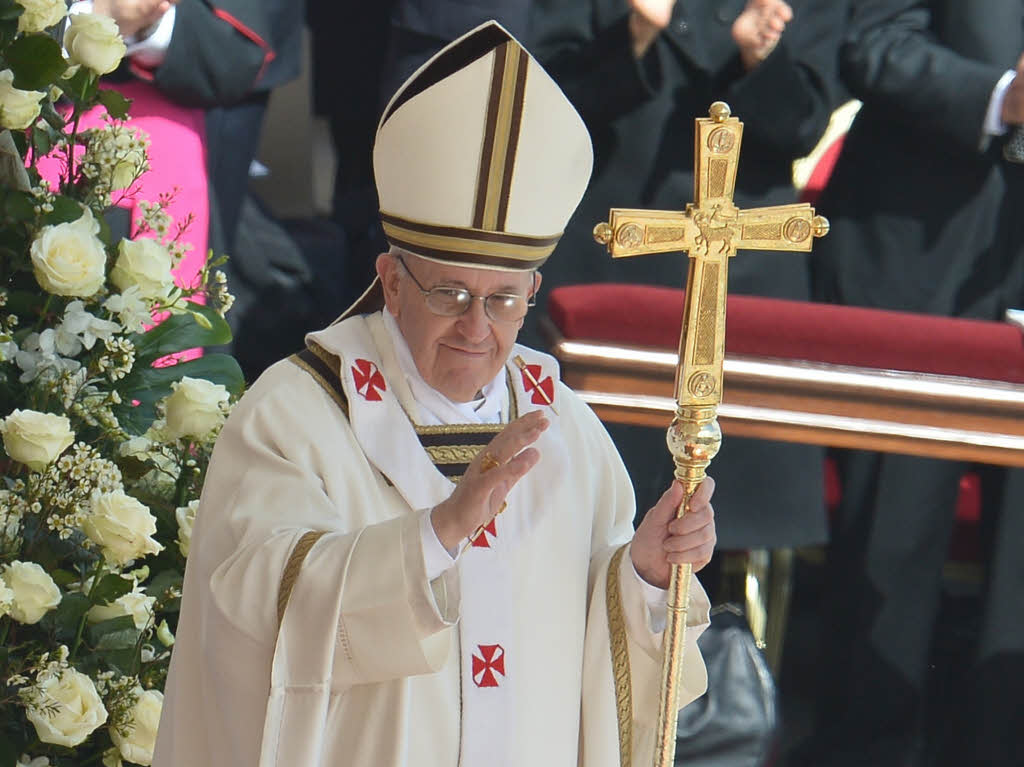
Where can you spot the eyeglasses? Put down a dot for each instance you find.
(449, 301)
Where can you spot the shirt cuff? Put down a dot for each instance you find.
(149, 49)
(994, 125)
(437, 559)
(656, 600)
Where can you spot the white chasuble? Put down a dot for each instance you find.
(504, 659)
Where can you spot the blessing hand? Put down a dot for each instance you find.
(662, 540)
(481, 492)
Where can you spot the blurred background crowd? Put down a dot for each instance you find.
(897, 118)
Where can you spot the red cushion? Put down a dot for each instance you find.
(641, 315)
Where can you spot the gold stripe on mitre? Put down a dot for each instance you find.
(468, 245)
(501, 136)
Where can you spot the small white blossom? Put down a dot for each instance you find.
(86, 327)
(130, 309)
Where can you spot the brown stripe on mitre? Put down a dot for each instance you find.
(519, 97)
(468, 246)
(501, 134)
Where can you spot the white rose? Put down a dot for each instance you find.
(33, 591)
(122, 527)
(194, 409)
(36, 439)
(18, 108)
(186, 516)
(68, 259)
(138, 745)
(135, 604)
(40, 14)
(145, 263)
(93, 41)
(69, 709)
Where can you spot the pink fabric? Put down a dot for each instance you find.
(177, 164)
(177, 160)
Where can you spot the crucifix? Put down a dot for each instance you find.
(710, 230)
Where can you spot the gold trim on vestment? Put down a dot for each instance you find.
(620, 659)
(292, 569)
(333, 364)
(448, 454)
(460, 428)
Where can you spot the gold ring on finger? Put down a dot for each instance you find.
(488, 462)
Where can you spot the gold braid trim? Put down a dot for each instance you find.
(447, 454)
(620, 659)
(292, 569)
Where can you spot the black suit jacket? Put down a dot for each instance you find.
(926, 213)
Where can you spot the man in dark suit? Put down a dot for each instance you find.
(926, 217)
(639, 102)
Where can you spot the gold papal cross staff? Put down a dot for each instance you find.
(710, 230)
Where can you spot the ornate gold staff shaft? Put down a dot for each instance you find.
(693, 438)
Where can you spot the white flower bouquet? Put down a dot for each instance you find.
(106, 428)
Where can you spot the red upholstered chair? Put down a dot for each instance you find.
(832, 375)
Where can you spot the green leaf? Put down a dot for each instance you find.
(36, 61)
(8, 752)
(160, 583)
(110, 588)
(115, 634)
(116, 104)
(68, 615)
(63, 577)
(65, 209)
(80, 87)
(148, 385)
(181, 331)
(19, 206)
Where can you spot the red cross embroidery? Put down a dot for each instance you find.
(481, 540)
(490, 660)
(543, 390)
(368, 380)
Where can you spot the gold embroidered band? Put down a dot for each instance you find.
(620, 659)
(473, 247)
(292, 569)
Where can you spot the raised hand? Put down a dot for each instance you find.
(481, 492)
(646, 21)
(662, 540)
(758, 29)
(132, 16)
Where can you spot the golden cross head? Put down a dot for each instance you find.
(712, 226)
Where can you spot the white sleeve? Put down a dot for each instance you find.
(437, 558)
(994, 125)
(656, 599)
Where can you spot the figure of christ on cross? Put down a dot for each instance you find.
(710, 230)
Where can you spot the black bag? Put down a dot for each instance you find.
(736, 722)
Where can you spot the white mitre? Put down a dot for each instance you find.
(479, 159)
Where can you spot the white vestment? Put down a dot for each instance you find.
(373, 664)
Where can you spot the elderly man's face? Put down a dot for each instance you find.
(455, 355)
